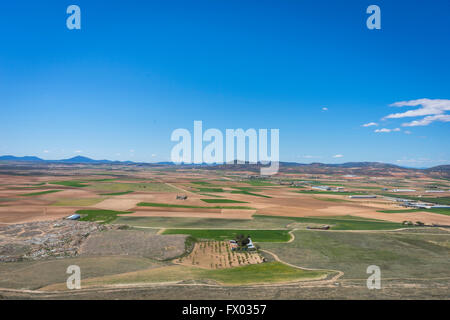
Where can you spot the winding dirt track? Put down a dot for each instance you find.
(336, 277)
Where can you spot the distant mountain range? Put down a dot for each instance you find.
(443, 170)
(77, 159)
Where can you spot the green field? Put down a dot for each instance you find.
(221, 234)
(445, 211)
(222, 201)
(70, 183)
(99, 215)
(262, 222)
(347, 223)
(213, 223)
(116, 193)
(168, 205)
(400, 211)
(39, 193)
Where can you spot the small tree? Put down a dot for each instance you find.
(242, 240)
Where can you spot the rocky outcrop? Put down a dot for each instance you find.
(45, 239)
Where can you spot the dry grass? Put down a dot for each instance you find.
(134, 243)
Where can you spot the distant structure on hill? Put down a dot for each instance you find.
(362, 196)
(324, 227)
(322, 188)
(250, 244)
(327, 188)
(74, 217)
(181, 197)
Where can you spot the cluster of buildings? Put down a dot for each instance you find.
(362, 196)
(327, 188)
(403, 190)
(250, 246)
(407, 203)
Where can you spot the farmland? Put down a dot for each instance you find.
(221, 234)
(32, 194)
(104, 216)
(400, 255)
(170, 227)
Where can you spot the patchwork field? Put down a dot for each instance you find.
(169, 228)
(223, 234)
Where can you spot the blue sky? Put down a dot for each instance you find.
(136, 71)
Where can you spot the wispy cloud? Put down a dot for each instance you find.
(386, 130)
(432, 109)
(78, 151)
(324, 109)
(370, 124)
(338, 156)
(427, 120)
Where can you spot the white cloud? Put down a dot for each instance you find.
(78, 151)
(407, 132)
(338, 156)
(387, 130)
(153, 155)
(382, 130)
(370, 124)
(46, 151)
(325, 109)
(433, 109)
(427, 120)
